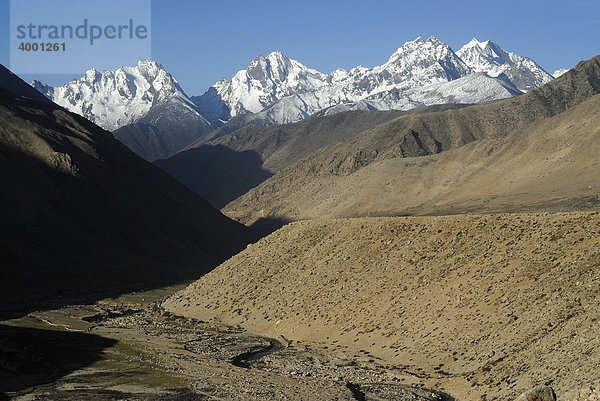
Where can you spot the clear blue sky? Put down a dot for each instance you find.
(200, 42)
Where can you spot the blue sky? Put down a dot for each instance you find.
(200, 42)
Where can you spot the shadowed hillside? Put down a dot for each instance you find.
(11, 82)
(162, 133)
(275, 147)
(217, 172)
(82, 215)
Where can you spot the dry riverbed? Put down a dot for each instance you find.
(129, 348)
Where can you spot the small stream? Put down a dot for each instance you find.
(246, 359)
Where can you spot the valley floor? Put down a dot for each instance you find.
(472, 307)
(482, 307)
(129, 348)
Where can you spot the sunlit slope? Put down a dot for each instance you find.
(471, 304)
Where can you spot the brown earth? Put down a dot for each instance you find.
(538, 151)
(228, 166)
(479, 306)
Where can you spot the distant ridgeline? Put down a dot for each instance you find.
(147, 109)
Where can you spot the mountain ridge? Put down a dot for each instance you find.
(318, 184)
(488, 57)
(415, 64)
(269, 149)
(148, 111)
(275, 89)
(144, 105)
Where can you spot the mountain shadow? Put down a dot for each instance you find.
(32, 357)
(267, 225)
(156, 136)
(14, 84)
(83, 218)
(216, 172)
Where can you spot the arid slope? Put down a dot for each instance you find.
(522, 153)
(228, 166)
(479, 306)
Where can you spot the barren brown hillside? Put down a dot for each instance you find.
(480, 306)
(538, 151)
(227, 167)
(554, 165)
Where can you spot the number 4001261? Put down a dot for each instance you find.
(43, 47)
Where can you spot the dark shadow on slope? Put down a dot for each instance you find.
(145, 140)
(82, 218)
(152, 142)
(31, 357)
(62, 245)
(216, 173)
(266, 225)
(14, 84)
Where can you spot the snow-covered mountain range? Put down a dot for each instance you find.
(147, 108)
(276, 89)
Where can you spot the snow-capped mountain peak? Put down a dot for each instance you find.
(434, 40)
(476, 43)
(113, 99)
(417, 47)
(91, 75)
(484, 56)
(339, 75)
(559, 72)
(488, 57)
(276, 89)
(43, 88)
(262, 83)
(424, 63)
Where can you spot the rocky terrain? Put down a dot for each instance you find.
(476, 306)
(128, 348)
